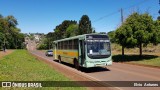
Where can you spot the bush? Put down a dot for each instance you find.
(42, 47)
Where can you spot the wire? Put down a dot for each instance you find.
(119, 11)
(136, 4)
(105, 16)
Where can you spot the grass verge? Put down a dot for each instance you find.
(2, 54)
(152, 62)
(146, 60)
(21, 66)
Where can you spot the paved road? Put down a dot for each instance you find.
(118, 72)
(31, 45)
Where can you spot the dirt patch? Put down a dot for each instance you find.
(2, 54)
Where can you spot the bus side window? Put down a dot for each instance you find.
(70, 44)
(75, 43)
(58, 45)
(62, 45)
(65, 44)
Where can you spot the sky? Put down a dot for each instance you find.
(43, 16)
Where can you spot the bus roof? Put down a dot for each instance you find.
(76, 37)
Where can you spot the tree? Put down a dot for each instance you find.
(10, 34)
(158, 18)
(155, 39)
(60, 30)
(4, 28)
(50, 37)
(12, 21)
(1, 39)
(144, 30)
(111, 35)
(1, 16)
(71, 31)
(85, 25)
(1, 31)
(43, 45)
(137, 30)
(124, 37)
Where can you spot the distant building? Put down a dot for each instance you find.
(26, 39)
(37, 38)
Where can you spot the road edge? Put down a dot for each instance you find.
(77, 75)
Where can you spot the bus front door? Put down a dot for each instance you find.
(82, 52)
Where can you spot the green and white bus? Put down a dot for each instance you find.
(88, 50)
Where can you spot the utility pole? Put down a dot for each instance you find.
(122, 15)
(159, 5)
(158, 18)
(121, 24)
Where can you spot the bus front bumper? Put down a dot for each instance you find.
(97, 63)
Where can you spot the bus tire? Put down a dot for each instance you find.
(76, 64)
(59, 58)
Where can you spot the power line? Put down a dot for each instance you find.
(136, 4)
(105, 16)
(119, 11)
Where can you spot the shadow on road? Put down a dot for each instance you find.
(86, 70)
(94, 69)
(127, 58)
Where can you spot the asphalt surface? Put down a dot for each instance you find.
(116, 72)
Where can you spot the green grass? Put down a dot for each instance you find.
(22, 66)
(151, 60)
(151, 55)
(116, 48)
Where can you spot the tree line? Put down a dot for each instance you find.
(68, 28)
(10, 36)
(138, 30)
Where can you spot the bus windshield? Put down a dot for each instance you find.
(98, 48)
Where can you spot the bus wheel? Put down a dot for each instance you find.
(76, 64)
(59, 58)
